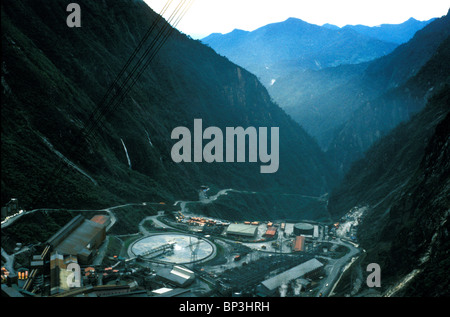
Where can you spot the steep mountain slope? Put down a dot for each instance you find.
(305, 96)
(54, 76)
(405, 180)
(277, 49)
(326, 107)
(403, 91)
(390, 162)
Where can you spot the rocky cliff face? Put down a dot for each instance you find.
(404, 179)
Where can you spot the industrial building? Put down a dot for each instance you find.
(242, 230)
(102, 219)
(271, 232)
(299, 244)
(178, 275)
(79, 237)
(303, 229)
(309, 269)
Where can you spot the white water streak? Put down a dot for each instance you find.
(126, 152)
(148, 137)
(67, 161)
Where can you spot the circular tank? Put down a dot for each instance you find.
(173, 248)
(304, 229)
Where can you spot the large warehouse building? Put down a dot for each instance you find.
(178, 275)
(242, 230)
(308, 269)
(299, 244)
(79, 237)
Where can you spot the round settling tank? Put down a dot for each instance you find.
(303, 229)
(173, 248)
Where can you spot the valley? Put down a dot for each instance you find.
(280, 162)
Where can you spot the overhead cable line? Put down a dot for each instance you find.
(120, 87)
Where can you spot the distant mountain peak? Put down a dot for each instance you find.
(295, 21)
(292, 19)
(235, 31)
(331, 26)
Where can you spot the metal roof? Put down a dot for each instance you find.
(77, 241)
(242, 229)
(299, 244)
(271, 231)
(177, 274)
(291, 274)
(101, 219)
(304, 226)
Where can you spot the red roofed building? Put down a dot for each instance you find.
(271, 232)
(299, 243)
(102, 219)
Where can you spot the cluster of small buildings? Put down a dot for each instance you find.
(300, 232)
(249, 230)
(77, 243)
(74, 245)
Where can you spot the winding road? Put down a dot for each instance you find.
(336, 269)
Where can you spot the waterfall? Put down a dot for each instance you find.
(126, 152)
(148, 137)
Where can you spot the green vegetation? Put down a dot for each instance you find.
(114, 248)
(127, 242)
(33, 228)
(128, 218)
(392, 161)
(390, 91)
(148, 225)
(51, 89)
(237, 206)
(404, 177)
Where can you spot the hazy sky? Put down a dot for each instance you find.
(223, 16)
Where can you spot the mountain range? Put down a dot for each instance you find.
(277, 49)
(384, 123)
(312, 73)
(349, 107)
(393, 33)
(364, 122)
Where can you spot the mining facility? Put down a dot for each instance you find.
(176, 256)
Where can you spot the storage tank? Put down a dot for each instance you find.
(304, 229)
